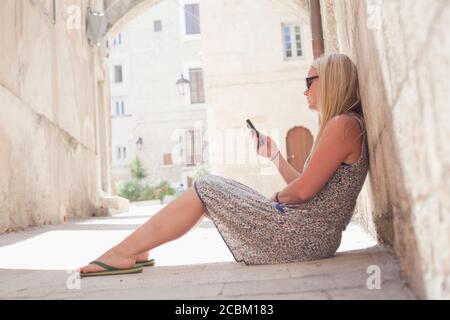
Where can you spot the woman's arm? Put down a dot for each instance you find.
(270, 150)
(333, 149)
(287, 171)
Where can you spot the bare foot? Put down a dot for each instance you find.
(114, 258)
(143, 257)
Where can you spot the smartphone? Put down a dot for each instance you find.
(258, 135)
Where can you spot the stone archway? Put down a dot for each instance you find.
(118, 12)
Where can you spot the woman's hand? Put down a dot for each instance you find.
(267, 148)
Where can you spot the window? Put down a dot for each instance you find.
(121, 153)
(118, 74)
(117, 41)
(157, 25)
(193, 146)
(197, 87)
(192, 18)
(292, 37)
(119, 108)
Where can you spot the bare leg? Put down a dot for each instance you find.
(144, 256)
(172, 222)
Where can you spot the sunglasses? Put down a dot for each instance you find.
(309, 81)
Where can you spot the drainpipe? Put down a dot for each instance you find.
(316, 29)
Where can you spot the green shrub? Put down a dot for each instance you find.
(148, 193)
(131, 190)
(137, 170)
(134, 191)
(164, 189)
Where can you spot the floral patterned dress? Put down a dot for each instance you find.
(260, 231)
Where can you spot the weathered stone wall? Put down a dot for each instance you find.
(402, 51)
(54, 121)
(329, 25)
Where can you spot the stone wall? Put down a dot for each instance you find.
(54, 124)
(402, 50)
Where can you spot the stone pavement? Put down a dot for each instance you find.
(37, 264)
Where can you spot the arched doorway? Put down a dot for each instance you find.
(299, 141)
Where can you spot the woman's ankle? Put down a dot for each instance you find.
(125, 252)
(143, 256)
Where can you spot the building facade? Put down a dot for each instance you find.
(256, 57)
(151, 120)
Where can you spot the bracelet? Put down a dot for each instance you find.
(276, 155)
(276, 197)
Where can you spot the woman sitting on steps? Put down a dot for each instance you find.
(304, 221)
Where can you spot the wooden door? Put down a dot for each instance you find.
(190, 181)
(299, 141)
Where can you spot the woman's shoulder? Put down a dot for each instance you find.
(345, 122)
(346, 127)
(346, 117)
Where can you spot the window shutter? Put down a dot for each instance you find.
(197, 86)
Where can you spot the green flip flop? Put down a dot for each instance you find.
(146, 263)
(110, 271)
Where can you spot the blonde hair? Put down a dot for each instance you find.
(338, 89)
